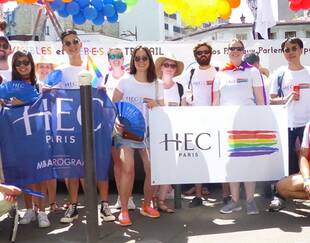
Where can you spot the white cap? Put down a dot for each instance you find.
(85, 77)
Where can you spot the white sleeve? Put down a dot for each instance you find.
(120, 85)
(256, 77)
(185, 79)
(305, 140)
(160, 91)
(274, 82)
(217, 82)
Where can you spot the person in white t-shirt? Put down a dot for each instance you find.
(238, 83)
(286, 85)
(297, 186)
(108, 83)
(5, 51)
(142, 90)
(198, 92)
(168, 67)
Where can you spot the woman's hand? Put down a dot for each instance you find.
(119, 127)
(14, 101)
(150, 103)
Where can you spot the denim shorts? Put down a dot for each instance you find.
(119, 142)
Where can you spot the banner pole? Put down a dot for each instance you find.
(92, 235)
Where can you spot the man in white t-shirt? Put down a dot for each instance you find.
(5, 51)
(197, 83)
(290, 85)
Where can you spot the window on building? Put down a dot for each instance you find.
(166, 26)
(307, 34)
(173, 16)
(165, 14)
(242, 36)
(176, 29)
(47, 30)
(289, 34)
(273, 35)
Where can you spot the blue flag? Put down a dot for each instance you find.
(44, 140)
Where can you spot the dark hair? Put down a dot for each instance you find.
(251, 58)
(66, 33)
(151, 73)
(293, 40)
(200, 45)
(15, 73)
(236, 40)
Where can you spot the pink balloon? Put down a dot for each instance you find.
(305, 4)
(3, 1)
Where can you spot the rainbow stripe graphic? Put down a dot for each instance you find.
(251, 143)
(304, 86)
(92, 67)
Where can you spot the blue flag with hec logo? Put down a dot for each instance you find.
(44, 140)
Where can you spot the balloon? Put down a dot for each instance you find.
(113, 19)
(130, 2)
(3, 1)
(109, 10)
(294, 7)
(170, 8)
(73, 8)
(90, 12)
(57, 5)
(98, 4)
(108, 1)
(224, 7)
(67, 1)
(78, 18)
(83, 3)
(305, 4)
(63, 13)
(120, 6)
(30, 1)
(99, 19)
(226, 16)
(234, 3)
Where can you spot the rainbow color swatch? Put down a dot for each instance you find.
(244, 143)
(91, 66)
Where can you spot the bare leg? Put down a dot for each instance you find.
(117, 166)
(292, 187)
(73, 188)
(51, 190)
(198, 190)
(249, 190)
(103, 187)
(148, 190)
(235, 190)
(225, 189)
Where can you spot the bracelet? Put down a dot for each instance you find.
(307, 179)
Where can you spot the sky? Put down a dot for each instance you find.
(234, 18)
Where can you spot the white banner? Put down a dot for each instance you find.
(269, 51)
(218, 144)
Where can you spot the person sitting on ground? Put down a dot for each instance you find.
(297, 186)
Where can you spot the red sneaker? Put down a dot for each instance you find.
(124, 219)
(149, 212)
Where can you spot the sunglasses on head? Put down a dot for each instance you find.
(288, 50)
(206, 52)
(115, 56)
(171, 65)
(142, 58)
(24, 62)
(4, 46)
(236, 48)
(75, 41)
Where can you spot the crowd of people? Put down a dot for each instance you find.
(150, 84)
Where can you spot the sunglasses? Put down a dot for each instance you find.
(75, 41)
(4, 46)
(236, 48)
(24, 62)
(142, 58)
(206, 52)
(115, 56)
(288, 50)
(171, 65)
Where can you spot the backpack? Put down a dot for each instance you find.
(180, 90)
(279, 82)
(190, 86)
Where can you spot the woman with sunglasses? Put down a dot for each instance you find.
(23, 69)
(238, 83)
(110, 81)
(168, 67)
(141, 88)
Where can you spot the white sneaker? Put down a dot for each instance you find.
(131, 204)
(43, 220)
(29, 216)
(118, 204)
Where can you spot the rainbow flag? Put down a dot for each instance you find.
(251, 143)
(92, 67)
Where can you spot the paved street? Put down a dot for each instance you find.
(203, 224)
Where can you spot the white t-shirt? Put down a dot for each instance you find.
(201, 85)
(172, 96)
(134, 92)
(236, 87)
(306, 139)
(298, 111)
(111, 83)
(70, 76)
(6, 75)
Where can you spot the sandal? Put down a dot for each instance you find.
(164, 208)
(190, 191)
(54, 207)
